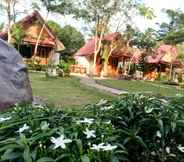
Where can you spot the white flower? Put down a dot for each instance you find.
(97, 147)
(163, 100)
(100, 146)
(181, 148)
(167, 149)
(60, 142)
(44, 125)
(86, 120)
(102, 102)
(148, 109)
(108, 147)
(89, 133)
(106, 108)
(25, 127)
(107, 122)
(158, 134)
(153, 153)
(4, 119)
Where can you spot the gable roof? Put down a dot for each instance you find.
(53, 41)
(89, 47)
(164, 54)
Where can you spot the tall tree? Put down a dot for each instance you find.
(17, 35)
(8, 7)
(64, 7)
(172, 32)
(69, 36)
(47, 5)
(100, 13)
(145, 40)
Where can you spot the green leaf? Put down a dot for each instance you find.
(27, 155)
(115, 159)
(62, 157)
(85, 158)
(79, 145)
(10, 155)
(45, 159)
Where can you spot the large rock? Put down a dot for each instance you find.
(14, 83)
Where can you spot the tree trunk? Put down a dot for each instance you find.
(100, 26)
(8, 10)
(40, 34)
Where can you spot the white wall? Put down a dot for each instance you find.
(83, 61)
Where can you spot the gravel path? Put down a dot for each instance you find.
(92, 83)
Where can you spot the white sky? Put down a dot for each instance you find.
(157, 5)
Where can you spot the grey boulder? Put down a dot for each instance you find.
(14, 82)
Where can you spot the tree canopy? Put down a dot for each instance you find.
(146, 39)
(172, 32)
(71, 38)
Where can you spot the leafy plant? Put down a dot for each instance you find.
(135, 128)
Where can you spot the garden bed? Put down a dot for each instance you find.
(134, 128)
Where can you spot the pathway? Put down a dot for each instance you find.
(92, 83)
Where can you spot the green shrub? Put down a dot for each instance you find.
(43, 126)
(150, 128)
(134, 128)
(64, 66)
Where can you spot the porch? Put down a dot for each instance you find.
(41, 57)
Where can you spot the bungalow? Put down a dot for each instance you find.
(163, 60)
(47, 45)
(119, 56)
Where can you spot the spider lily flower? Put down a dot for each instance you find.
(106, 108)
(25, 127)
(101, 102)
(108, 147)
(44, 125)
(89, 133)
(180, 148)
(153, 153)
(60, 142)
(158, 134)
(167, 149)
(86, 120)
(4, 119)
(97, 147)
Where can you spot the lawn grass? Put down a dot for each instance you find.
(155, 88)
(65, 92)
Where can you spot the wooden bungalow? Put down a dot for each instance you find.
(47, 45)
(163, 61)
(85, 56)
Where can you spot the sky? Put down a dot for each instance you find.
(158, 6)
(140, 22)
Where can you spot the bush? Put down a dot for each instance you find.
(134, 128)
(64, 68)
(28, 134)
(36, 66)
